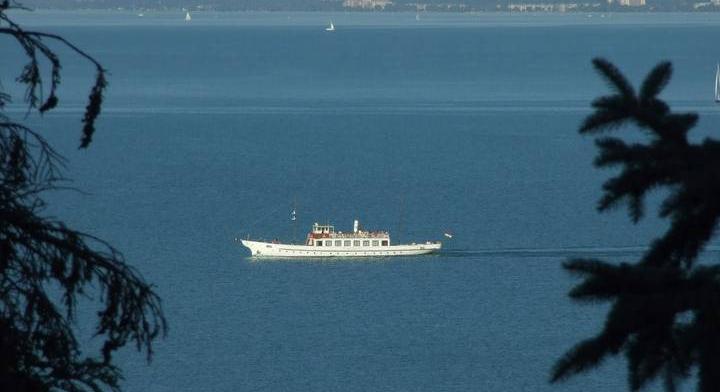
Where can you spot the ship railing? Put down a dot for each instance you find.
(378, 234)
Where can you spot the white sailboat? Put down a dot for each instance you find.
(187, 16)
(331, 27)
(717, 84)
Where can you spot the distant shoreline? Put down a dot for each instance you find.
(345, 20)
(382, 6)
(588, 8)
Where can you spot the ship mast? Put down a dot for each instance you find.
(293, 218)
(401, 218)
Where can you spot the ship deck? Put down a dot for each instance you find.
(270, 249)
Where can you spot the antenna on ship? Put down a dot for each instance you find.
(293, 219)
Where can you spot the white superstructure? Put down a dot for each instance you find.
(324, 241)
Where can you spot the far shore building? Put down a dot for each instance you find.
(545, 7)
(632, 3)
(367, 4)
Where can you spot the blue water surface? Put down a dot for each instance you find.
(214, 129)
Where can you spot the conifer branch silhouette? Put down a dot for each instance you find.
(33, 44)
(45, 266)
(665, 309)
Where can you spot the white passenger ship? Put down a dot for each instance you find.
(324, 241)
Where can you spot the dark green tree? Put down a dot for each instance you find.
(665, 308)
(45, 266)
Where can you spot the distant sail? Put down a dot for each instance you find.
(717, 84)
(292, 215)
(187, 16)
(331, 27)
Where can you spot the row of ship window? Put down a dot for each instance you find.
(351, 243)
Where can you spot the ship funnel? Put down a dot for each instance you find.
(355, 226)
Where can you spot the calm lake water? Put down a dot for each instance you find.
(212, 129)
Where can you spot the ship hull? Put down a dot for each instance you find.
(269, 249)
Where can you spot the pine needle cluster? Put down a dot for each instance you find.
(665, 308)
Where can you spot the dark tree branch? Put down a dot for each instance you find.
(38, 349)
(31, 41)
(665, 313)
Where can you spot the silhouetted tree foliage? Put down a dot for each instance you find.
(45, 266)
(665, 313)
